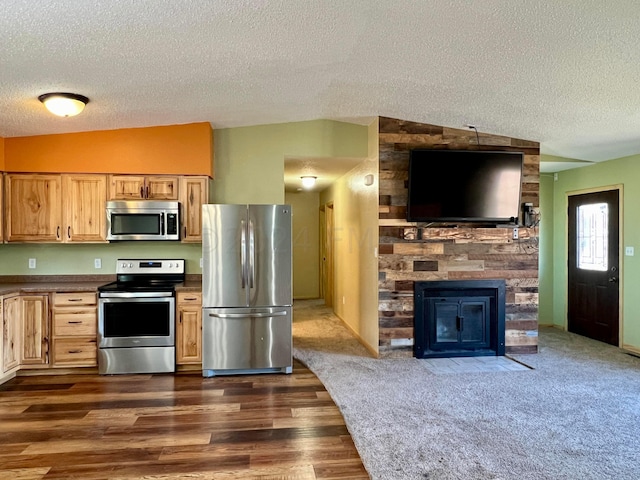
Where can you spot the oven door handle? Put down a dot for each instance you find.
(136, 294)
(250, 315)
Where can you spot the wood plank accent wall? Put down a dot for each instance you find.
(411, 252)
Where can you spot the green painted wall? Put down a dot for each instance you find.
(624, 172)
(249, 161)
(545, 258)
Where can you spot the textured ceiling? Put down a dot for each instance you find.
(562, 73)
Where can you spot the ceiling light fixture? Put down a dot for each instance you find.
(64, 104)
(308, 181)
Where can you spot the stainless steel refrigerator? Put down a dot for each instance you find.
(246, 289)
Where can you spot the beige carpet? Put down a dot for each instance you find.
(575, 415)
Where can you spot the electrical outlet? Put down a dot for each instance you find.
(201, 263)
(32, 263)
(515, 233)
(97, 263)
(629, 251)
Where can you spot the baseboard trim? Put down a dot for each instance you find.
(631, 348)
(369, 348)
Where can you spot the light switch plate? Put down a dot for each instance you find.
(97, 262)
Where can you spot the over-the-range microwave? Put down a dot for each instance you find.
(143, 220)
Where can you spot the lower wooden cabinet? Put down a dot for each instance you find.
(11, 318)
(74, 322)
(35, 330)
(189, 328)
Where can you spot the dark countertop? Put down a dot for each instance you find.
(189, 286)
(72, 283)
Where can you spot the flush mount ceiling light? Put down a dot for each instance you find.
(308, 181)
(64, 104)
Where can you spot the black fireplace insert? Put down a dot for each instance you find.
(459, 318)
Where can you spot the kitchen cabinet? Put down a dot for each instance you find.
(55, 208)
(1, 227)
(189, 328)
(34, 338)
(11, 333)
(137, 187)
(84, 199)
(33, 211)
(194, 192)
(74, 329)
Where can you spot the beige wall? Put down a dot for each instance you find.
(306, 243)
(355, 245)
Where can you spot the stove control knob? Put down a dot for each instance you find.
(131, 265)
(124, 265)
(170, 265)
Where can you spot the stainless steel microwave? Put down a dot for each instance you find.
(143, 220)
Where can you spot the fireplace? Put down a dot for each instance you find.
(459, 318)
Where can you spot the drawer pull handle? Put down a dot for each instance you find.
(75, 300)
(74, 351)
(74, 321)
(190, 298)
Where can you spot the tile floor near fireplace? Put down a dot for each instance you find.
(440, 366)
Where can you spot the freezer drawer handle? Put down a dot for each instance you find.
(245, 315)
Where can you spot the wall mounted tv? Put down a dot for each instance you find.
(464, 186)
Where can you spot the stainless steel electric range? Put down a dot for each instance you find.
(136, 317)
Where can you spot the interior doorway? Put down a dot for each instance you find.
(593, 304)
(326, 253)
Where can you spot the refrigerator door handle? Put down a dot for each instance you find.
(243, 254)
(252, 255)
(249, 315)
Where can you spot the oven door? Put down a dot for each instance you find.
(133, 320)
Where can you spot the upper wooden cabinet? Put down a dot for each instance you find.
(55, 208)
(84, 208)
(1, 218)
(33, 208)
(194, 192)
(134, 187)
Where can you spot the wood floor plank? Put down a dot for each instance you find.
(145, 427)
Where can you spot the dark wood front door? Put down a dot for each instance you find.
(594, 270)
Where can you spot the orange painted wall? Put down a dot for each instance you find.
(1, 154)
(174, 149)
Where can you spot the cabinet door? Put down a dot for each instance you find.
(189, 329)
(84, 208)
(11, 334)
(34, 208)
(126, 187)
(35, 330)
(194, 193)
(161, 188)
(1, 227)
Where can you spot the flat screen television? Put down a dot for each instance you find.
(464, 186)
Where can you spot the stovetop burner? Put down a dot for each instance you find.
(144, 275)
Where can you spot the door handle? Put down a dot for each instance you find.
(252, 255)
(249, 315)
(613, 279)
(243, 254)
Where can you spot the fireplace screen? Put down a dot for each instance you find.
(459, 318)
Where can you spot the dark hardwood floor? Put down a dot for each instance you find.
(129, 427)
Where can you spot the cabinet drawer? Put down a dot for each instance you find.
(78, 352)
(189, 298)
(75, 322)
(70, 299)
